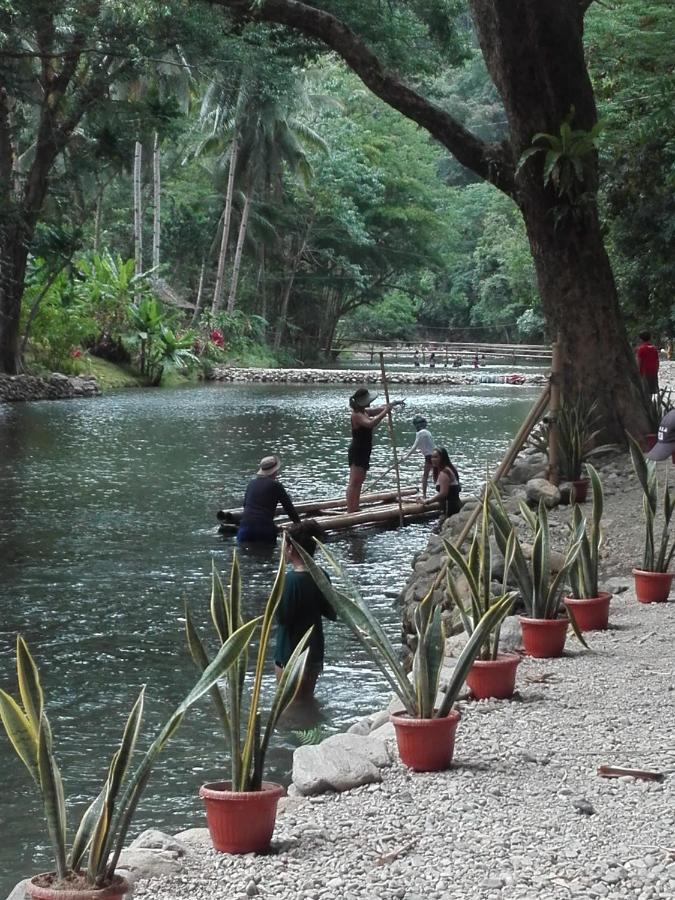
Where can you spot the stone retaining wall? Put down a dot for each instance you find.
(18, 388)
(355, 376)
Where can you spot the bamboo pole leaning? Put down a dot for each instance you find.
(392, 438)
(530, 421)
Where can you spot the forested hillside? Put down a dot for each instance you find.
(179, 187)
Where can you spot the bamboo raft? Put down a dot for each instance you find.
(381, 507)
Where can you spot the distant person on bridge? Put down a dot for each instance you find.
(416, 359)
(263, 494)
(648, 363)
(432, 360)
(425, 444)
(364, 419)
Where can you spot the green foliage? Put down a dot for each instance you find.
(418, 697)
(104, 287)
(659, 404)
(655, 558)
(392, 318)
(476, 567)
(584, 571)
(243, 727)
(576, 435)
(314, 735)
(540, 590)
(103, 828)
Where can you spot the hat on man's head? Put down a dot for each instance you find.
(269, 465)
(362, 397)
(665, 439)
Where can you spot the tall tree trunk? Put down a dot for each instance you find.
(157, 200)
(200, 293)
(98, 213)
(236, 266)
(283, 312)
(227, 218)
(14, 244)
(534, 53)
(138, 214)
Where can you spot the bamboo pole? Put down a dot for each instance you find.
(514, 448)
(157, 198)
(392, 438)
(379, 478)
(309, 506)
(554, 408)
(138, 213)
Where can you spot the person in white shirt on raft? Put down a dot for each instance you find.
(425, 444)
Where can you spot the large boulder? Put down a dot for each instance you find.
(540, 489)
(341, 762)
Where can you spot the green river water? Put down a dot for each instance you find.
(107, 526)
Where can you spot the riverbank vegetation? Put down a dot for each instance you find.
(233, 186)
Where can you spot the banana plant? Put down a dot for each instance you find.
(243, 727)
(653, 559)
(103, 828)
(540, 591)
(418, 695)
(584, 571)
(476, 568)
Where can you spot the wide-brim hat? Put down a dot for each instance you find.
(362, 397)
(269, 465)
(665, 439)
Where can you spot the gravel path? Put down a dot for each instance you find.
(522, 812)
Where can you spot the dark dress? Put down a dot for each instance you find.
(262, 497)
(452, 503)
(302, 606)
(361, 447)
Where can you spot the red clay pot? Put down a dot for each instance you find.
(544, 638)
(590, 613)
(426, 745)
(579, 490)
(115, 891)
(493, 677)
(240, 821)
(652, 587)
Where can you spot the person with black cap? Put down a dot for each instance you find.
(423, 442)
(263, 494)
(364, 419)
(665, 438)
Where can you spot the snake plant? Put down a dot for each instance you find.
(103, 828)
(241, 721)
(540, 590)
(418, 695)
(653, 559)
(476, 568)
(584, 571)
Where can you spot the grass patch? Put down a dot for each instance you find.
(111, 375)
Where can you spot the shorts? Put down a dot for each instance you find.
(652, 383)
(358, 457)
(257, 534)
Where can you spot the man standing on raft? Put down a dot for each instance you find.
(364, 419)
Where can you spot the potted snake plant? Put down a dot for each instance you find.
(492, 674)
(653, 581)
(241, 812)
(544, 630)
(86, 871)
(425, 730)
(587, 604)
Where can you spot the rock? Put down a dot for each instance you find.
(18, 892)
(510, 635)
(583, 806)
(385, 732)
(541, 489)
(17, 388)
(143, 863)
(378, 719)
(341, 762)
(152, 839)
(195, 838)
(617, 585)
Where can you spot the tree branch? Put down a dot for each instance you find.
(493, 162)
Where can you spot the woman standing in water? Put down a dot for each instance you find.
(364, 419)
(448, 487)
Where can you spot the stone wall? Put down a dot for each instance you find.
(356, 376)
(21, 388)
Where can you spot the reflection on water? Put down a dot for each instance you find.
(107, 527)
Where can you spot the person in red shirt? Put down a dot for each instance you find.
(648, 362)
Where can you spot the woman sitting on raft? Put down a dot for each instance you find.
(263, 494)
(364, 419)
(448, 487)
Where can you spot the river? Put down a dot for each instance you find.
(107, 527)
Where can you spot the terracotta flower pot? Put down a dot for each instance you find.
(590, 613)
(493, 677)
(544, 638)
(40, 889)
(652, 587)
(426, 745)
(240, 821)
(579, 490)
